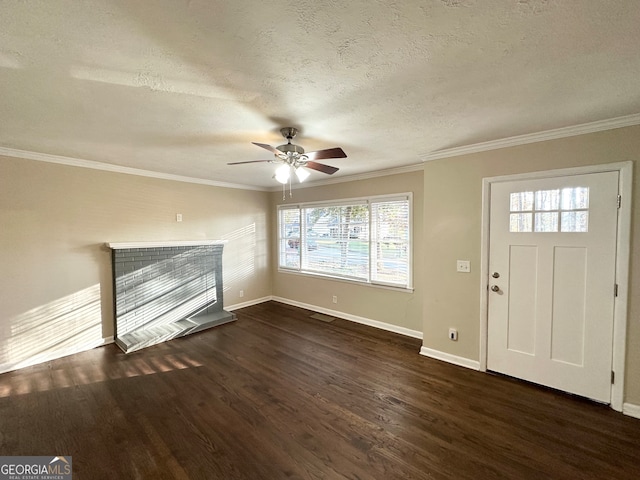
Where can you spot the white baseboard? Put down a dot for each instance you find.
(447, 357)
(353, 318)
(631, 410)
(53, 355)
(249, 303)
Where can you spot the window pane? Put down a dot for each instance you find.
(546, 222)
(337, 240)
(390, 242)
(549, 206)
(575, 198)
(289, 238)
(575, 221)
(520, 222)
(547, 200)
(521, 201)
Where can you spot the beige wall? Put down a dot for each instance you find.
(397, 308)
(452, 218)
(55, 272)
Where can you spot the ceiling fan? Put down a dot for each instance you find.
(294, 159)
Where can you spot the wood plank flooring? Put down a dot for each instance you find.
(278, 395)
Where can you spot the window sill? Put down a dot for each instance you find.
(345, 280)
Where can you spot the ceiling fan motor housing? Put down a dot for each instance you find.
(290, 147)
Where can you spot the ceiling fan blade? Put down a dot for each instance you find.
(327, 153)
(321, 167)
(249, 161)
(273, 150)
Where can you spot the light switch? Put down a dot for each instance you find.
(463, 266)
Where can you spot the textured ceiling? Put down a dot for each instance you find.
(183, 87)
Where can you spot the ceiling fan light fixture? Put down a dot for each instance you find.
(283, 172)
(302, 174)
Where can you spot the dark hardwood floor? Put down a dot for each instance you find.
(278, 395)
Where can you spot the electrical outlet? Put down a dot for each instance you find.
(241, 293)
(335, 299)
(463, 266)
(178, 217)
(453, 334)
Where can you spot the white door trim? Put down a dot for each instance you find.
(623, 247)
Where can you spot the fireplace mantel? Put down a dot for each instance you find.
(168, 243)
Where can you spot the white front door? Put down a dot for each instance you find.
(552, 256)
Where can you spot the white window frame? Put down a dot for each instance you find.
(281, 236)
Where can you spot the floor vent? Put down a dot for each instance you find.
(322, 317)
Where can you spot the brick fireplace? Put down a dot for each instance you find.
(165, 290)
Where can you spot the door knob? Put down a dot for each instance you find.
(495, 288)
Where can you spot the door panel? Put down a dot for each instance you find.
(553, 245)
(569, 297)
(522, 300)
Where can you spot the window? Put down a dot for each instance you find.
(366, 240)
(559, 210)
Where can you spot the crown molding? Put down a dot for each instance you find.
(107, 167)
(592, 127)
(77, 162)
(418, 167)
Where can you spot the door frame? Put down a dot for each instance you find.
(623, 247)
